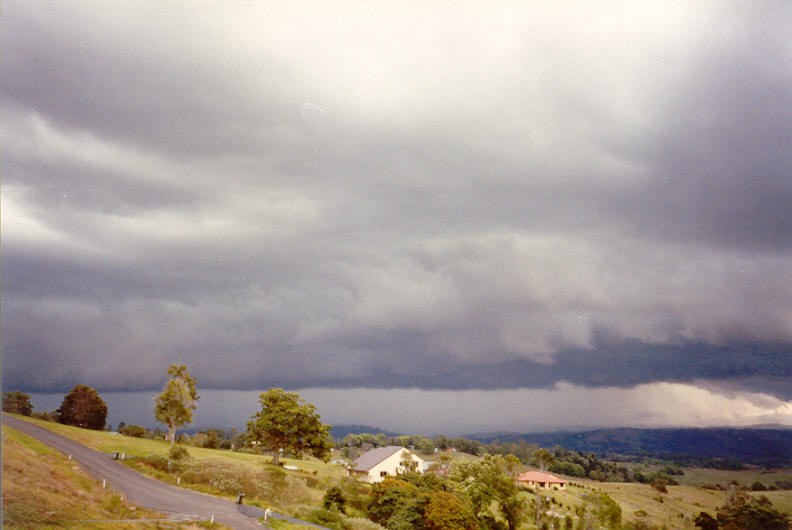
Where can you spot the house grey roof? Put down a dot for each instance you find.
(373, 457)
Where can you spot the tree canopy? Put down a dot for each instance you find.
(175, 406)
(286, 422)
(82, 407)
(491, 479)
(744, 511)
(17, 403)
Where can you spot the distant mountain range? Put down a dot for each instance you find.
(339, 431)
(768, 446)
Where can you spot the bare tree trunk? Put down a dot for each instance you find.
(276, 456)
(172, 434)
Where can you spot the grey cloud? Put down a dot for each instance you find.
(144, 85)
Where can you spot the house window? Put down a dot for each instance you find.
(383, 473)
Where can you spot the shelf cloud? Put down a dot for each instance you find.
(439, 197)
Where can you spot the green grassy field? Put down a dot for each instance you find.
(699, 476)
(110, 442)
(43, 489)
(218, 472)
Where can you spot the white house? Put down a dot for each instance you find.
(375, 465)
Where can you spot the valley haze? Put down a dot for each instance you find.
(429, 217)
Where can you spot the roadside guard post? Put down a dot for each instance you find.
(240, 497)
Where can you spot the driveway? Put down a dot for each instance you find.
(147, 492)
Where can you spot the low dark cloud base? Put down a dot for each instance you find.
(762, 368)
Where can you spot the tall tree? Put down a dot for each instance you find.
(17, 403)
(84, 408)
(175, 406)
(445, 511)
(543, 458)
(287, 422)
(487, 480)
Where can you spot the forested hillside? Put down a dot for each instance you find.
(768, 447)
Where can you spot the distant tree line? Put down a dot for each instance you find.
(557, 460)
(82, 407)
(17, 403)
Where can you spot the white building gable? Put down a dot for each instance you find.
(378, 463)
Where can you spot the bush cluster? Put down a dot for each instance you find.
(273, 486)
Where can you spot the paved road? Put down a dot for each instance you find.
(146, 492)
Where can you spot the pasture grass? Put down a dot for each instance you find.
(43, 489)
(140, 447)
(217, 472)
(746, 477)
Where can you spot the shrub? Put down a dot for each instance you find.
(136, 431)
(44, 415)
(178, 452)
(198, 440)
(274, 486)
(158, 462)
(328, 518)
(334, 499)
(705, 521)
(660, 485)
(361, 523)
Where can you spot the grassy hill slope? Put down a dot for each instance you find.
(42, 488)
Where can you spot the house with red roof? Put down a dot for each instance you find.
(539, 480)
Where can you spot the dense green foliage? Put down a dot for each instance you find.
(601, 509)
(422, 502)
(175, 406)
(136, 431)
(177, 452)
(491, 480)
(17, 403)
(446, 511)
(334, 499)
(82, 407)
(477, 494)
(286, 422)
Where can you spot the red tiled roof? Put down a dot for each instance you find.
(536, 476)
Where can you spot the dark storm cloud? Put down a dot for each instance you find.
(488, 199)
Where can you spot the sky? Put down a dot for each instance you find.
(423, 216)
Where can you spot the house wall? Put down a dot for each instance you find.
(544, 485)
(390, 466)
